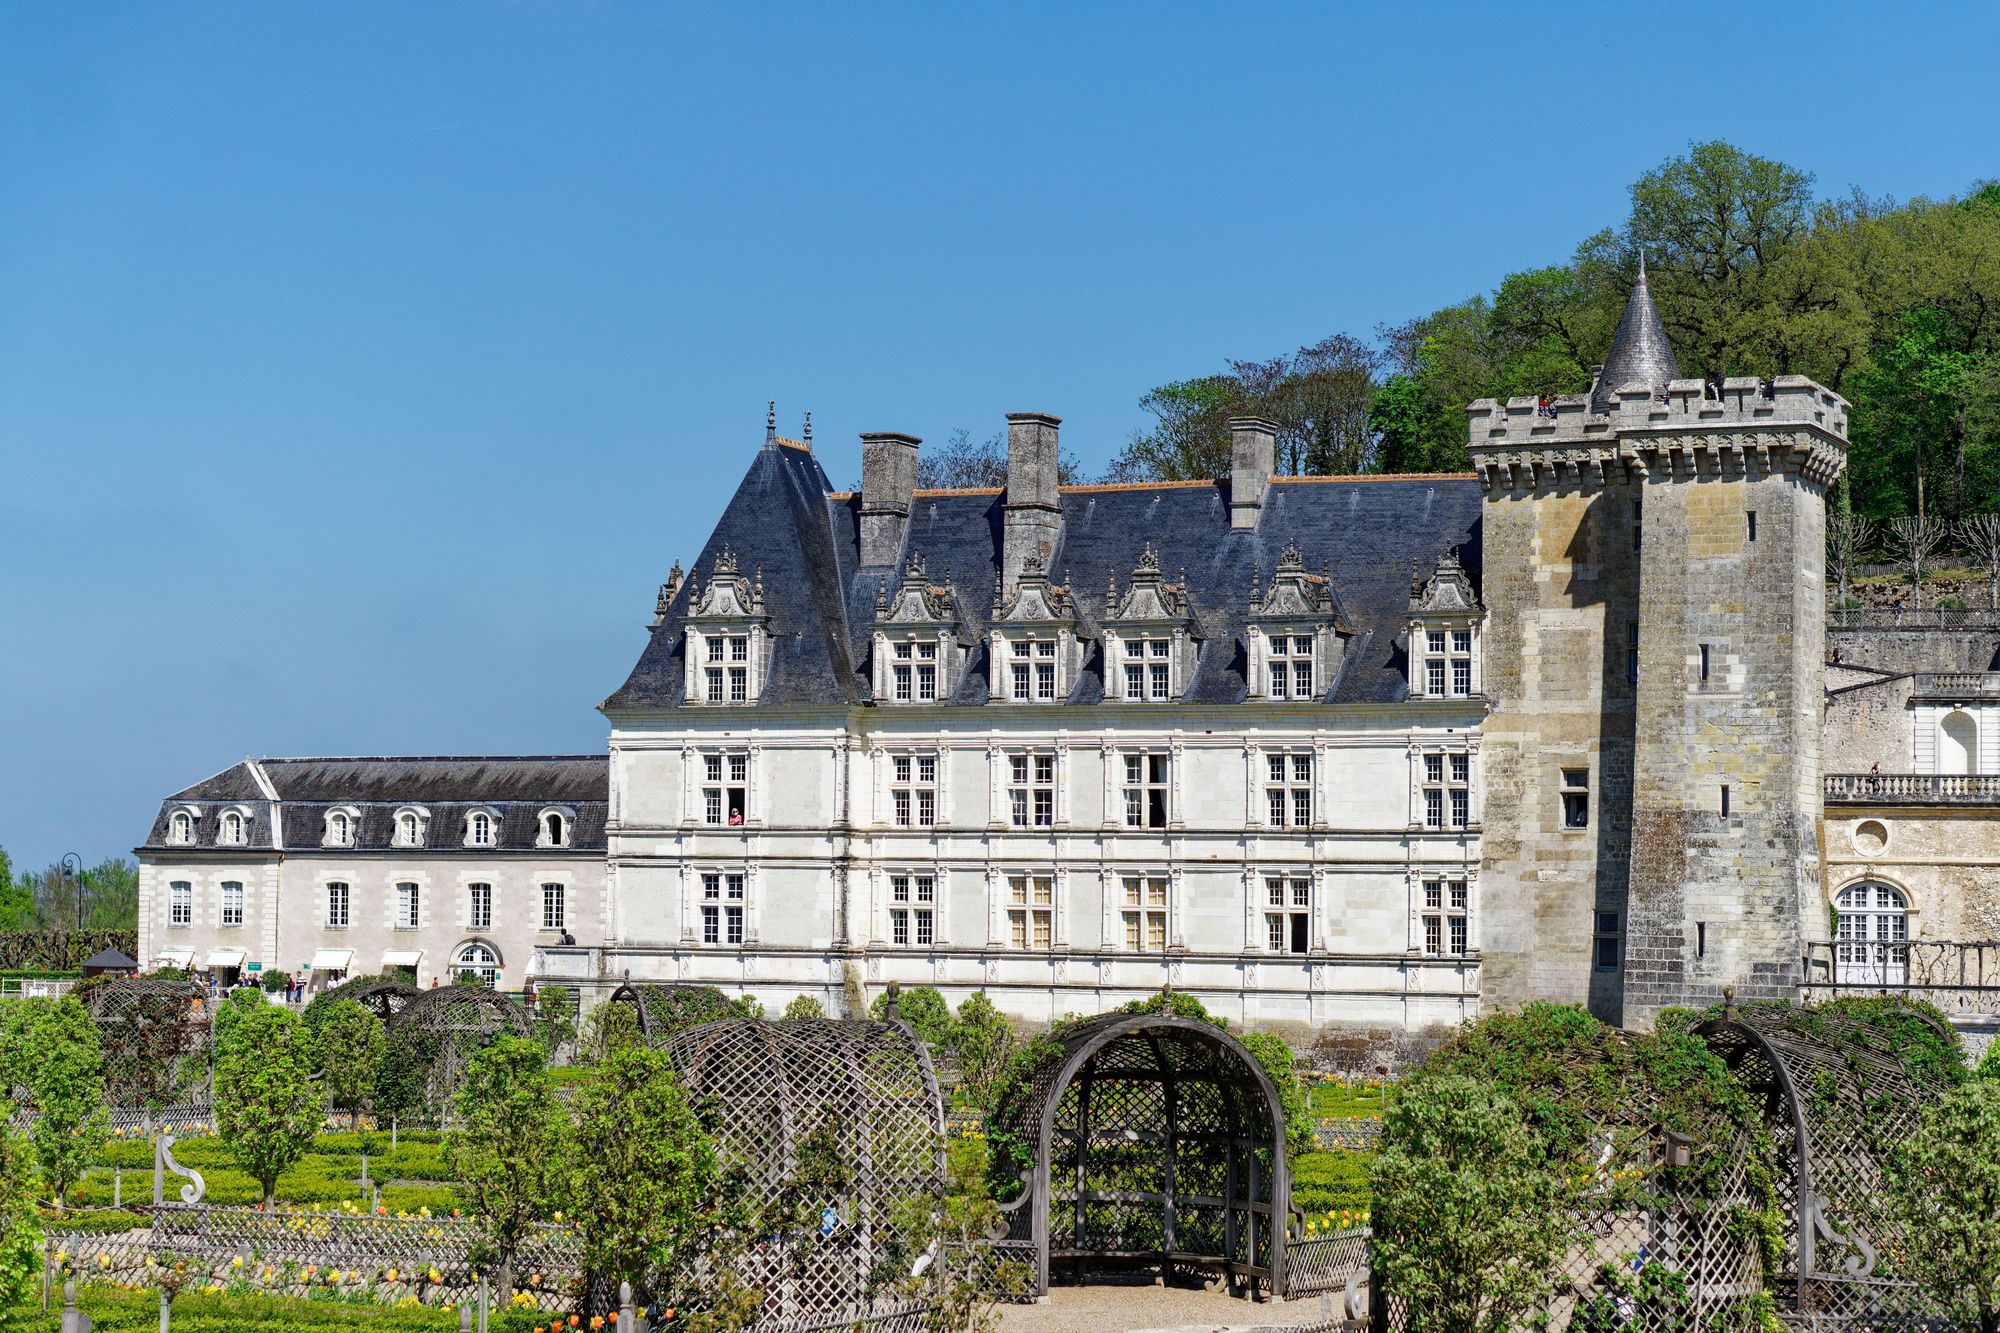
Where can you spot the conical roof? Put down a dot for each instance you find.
(1639, 353)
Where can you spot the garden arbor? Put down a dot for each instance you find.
(156, 1035)
(1148, 1139)
(664, 1009)
(448, 1025)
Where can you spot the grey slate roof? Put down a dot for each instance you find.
(517, 787)
(1639, 353)
(785, 521)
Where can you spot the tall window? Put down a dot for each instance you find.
(553, 916)
(1287, 913)
(180, 903)
(180, 829)
(722, 909)
(479, 960)
(1146, 790)
(479, 906)
(1576, 797)
(409, 830)
(1032, 670)
(1031, 911)
(232, 903)
(912, 909)
(1447, 791)
(1291, 666)
(1448, 663)
(408, 907)
(555, 828)
(232, 828)
(1145, 913)
(339, 829)
(1871, 938)
(913, 789)
(1149, 670)
(725, 793)
(1031, 790)
(336, 906)
(726, 672)
(1444, 916)
(1604, 942)
(913, 675)
(1288, 789)
(1632, 651)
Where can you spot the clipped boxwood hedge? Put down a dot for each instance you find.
(118, 1311)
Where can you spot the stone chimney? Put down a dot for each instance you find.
(888, 475)
(1253, 457)
(1033, 518)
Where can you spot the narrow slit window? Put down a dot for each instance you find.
(1751, 516)
(1701, 939)
(1704, 661)
(1725, 800)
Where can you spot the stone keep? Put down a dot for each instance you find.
(1654, 561)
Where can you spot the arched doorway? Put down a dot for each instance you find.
(1871, 937)
(1958, 743)
(478, 958)
(1156, 1142)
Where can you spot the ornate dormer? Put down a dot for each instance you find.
(918, 653)
(1295, 632)
(1150, 636)
(668, 591)
(1443, 629)
(1034, 650)
(728, 635)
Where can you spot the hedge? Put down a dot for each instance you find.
(118, 1311)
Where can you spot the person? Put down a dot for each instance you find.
(299, 984)
(566, 937)
(735, 818)
(1899, 610)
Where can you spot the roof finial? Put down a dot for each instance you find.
(1642, 263)
(1640, 353)
(771, 424)
(808, 437)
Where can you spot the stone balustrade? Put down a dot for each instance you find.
(1913, 788)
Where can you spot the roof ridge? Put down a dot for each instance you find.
(1385, 476)
(420, 758)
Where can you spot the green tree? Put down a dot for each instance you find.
(802, 1008)
(20, 1225)
(267, 1103)
(923, 1008)
(63, 1072)
(510, 1150)
(642, 1182)
(1469, 1217)
(1275, 1056)
(984, 1041)
(610, 1028)
(348, 1051)
(1944, 1183)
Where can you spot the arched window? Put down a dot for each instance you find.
(1958, 743)
(478, 957)
(555, 829)
(232, 828)
(180, 829)
(479, 829)
(1871, 940)
(339, 829)
(409, 830)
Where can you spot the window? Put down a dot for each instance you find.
(1576, 797)
(1145, 913)
(553, 917)
(1725, 800)
(1871, 935)
(912, 910)
(725, 795)
(1751, 515)
(1448, 663)
(480, 960)
(339, 829)
(1287, 913)
(1288, 789)
(722, 909)
(1447, 790)
(1031, 911)
(479, 830)
(1638, 522)
(1291, 666)
(409, 829)
(407, 907)
(1632, 651)
(726, 672)
(913, 673)
(913, 789)
(555, 829)
(232, 903)
(1444, 917)
(231, 831)
(1032, 671)
(479, 906)
(1704, 661)
(336, 906)
(180, 903)
(180, 829)
(1149, 670)
(1146, 790)
(1604, 943)
(1031, 790)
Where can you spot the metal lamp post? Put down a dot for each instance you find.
(72, 868)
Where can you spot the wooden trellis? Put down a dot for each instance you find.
(157, 1036)
(664, 1009)
(448, 1025)
(383, 997)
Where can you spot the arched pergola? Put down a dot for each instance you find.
(156, 1035)
(664, 1008)
(448, 1025)
(1155, 1140)
(383, 997)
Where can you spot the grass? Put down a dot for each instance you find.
(1344, 1099)
(414, 1176)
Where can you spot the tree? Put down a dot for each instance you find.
(1980, 535)
(1849, 537)
(642, 1183)
(1189, 440)
(267, 1104)
(509, 1153)
(1916, 537)
(610, 1028)
(961, 464)
(1469, 1216)
(923, 1008)
(1944, 1181)
(63, 1070)
(20, 1225)
(802, 1008)
(983, 1040)
(348, 1049)
(1279, 1064)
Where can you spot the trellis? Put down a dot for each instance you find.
(448, 1025)
(1155, 1140)
(662, 1009)
(156, 1036)
(384, 997)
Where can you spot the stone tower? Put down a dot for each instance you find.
(1654, 557)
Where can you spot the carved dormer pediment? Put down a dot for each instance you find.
(1296, 631)
(726, 651)
(1149, 597)
(1036, 598)
(730, 594)
(917, 601)
(1034, 653)
(918, 654)
(1149, 636)
(1447, 590)
(1294, 592)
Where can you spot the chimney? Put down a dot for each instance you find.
(1033, 517)
(1253, 456)
(888, 475)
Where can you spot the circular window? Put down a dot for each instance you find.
(1870, 836)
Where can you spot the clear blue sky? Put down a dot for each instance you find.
(363, 367)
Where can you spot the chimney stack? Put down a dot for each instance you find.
(888, 475)
(1253, 457)
(1033, 513)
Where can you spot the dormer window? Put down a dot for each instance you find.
(1034, 646)
(340, 828)
(1290, 666)
(1032, 671)
(229, 830)
(1295, 632)
(410, 828)
(917, 646)
(726, 672)
(1443, 633)
(726, 636)
(180, 828)
(482, 829)
(1149, 636)
(554, 828)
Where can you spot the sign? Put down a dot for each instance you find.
(256, 967)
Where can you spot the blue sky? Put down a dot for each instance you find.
(363, 367)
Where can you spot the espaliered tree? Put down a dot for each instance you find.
(510, 1150)
(1945, 1182)
(267, 1100)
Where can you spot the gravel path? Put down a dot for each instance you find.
(1118, 1308)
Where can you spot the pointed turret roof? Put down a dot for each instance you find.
(1639, 353)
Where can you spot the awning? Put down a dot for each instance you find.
(175, 958)
(224, 958)
(332, 960)
(402, 957)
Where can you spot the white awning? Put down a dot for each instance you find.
(224, 958)
(402, 957)
(332, 960)
(175, 958)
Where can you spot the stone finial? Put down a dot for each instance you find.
(892, 1011)
(1110, 593)
(806, 437)
(881, 597)
(771, 424)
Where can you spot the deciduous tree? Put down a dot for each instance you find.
(267, 1102)
(62, 1068)
(510, 1148)
(348, 1049)
(1944, 1181)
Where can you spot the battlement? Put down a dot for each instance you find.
(1791, 423)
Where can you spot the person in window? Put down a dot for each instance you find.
(735, 818)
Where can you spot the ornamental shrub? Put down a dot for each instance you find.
(20, 1228)
(1944, 1184)
(347, 1049)
(62, 1069)
(509, 1151)
(983, 1040)
(923, 1008)
(803, 1008)
(267, 1103)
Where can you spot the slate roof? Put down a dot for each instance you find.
(786, 521)
(519, 788)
